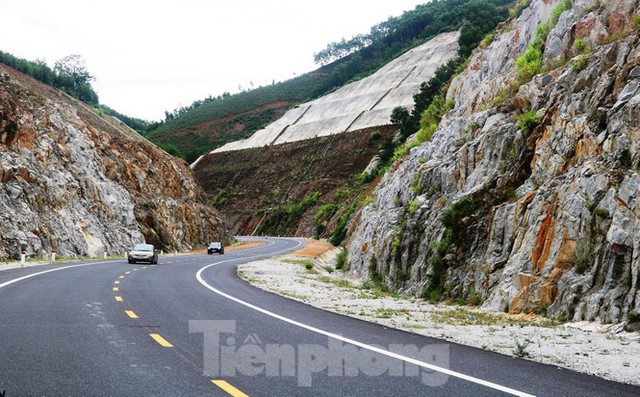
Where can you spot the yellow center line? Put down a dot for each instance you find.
(135, 270)
(162, 341)
(131, 314)
(226, 386)
(118, 299)
(121, 277)
(117, 282)
(116, 289)
(128, 273)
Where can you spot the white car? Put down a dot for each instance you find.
(143, 253)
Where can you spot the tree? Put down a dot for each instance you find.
(73, 66)
(74, 78)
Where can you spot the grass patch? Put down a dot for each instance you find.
(303, 262)
(520, 349)
(463, 316)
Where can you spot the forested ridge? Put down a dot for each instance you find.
(191, 130)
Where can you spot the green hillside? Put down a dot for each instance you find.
(210, 123)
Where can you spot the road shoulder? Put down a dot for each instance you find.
(310, 276)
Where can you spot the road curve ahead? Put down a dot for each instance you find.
(190, 327)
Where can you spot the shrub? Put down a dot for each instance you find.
(580, 62)
(581, 46)
(633, 316)
(475, 299)
(488, 39)
(340, 232)
(413, 207)
(308, 265)
(529, 64)
(583, 256)
(520, 349)
(375, 135)
(560, 8)
(542, 31)
(518, 8)
(329, 269)
(341, 260)
(528, 120)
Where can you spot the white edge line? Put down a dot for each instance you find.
(15, 280)
(387, 353)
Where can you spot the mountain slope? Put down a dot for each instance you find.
(83, 184)
(318, 149)
(526, 197)
(212, 122)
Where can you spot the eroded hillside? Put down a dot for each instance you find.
(81, 183)
(526, 197)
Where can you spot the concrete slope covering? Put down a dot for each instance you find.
(362, 104)
(527, 196)
(83, 184)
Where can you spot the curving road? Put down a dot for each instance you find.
(190, 327)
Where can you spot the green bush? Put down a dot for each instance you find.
(633, 316)
(560, 8)
(529, 64)
(542, 31)
(580, 62)
(341, 260)
(581, 46)
(340, 232)
(528, 120)
(516, 10)
(413, 207)
(488, 39)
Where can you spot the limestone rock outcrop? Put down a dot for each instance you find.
(543, 218)
(81, 183)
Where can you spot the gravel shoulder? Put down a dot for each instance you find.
(603, 350)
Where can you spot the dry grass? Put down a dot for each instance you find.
(313, 249)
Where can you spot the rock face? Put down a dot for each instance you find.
(542, 219)
(83, 184)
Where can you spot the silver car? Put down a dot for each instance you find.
(143, 253)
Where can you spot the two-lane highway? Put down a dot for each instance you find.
(190, 327)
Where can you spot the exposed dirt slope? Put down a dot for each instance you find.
(247, 184)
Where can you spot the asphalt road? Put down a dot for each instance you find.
(190, 327)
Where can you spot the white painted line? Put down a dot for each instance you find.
(15, 280)
(387, 353)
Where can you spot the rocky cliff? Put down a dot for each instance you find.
(81, 183)
(527, 196)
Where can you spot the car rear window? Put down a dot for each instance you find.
(143, 247)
